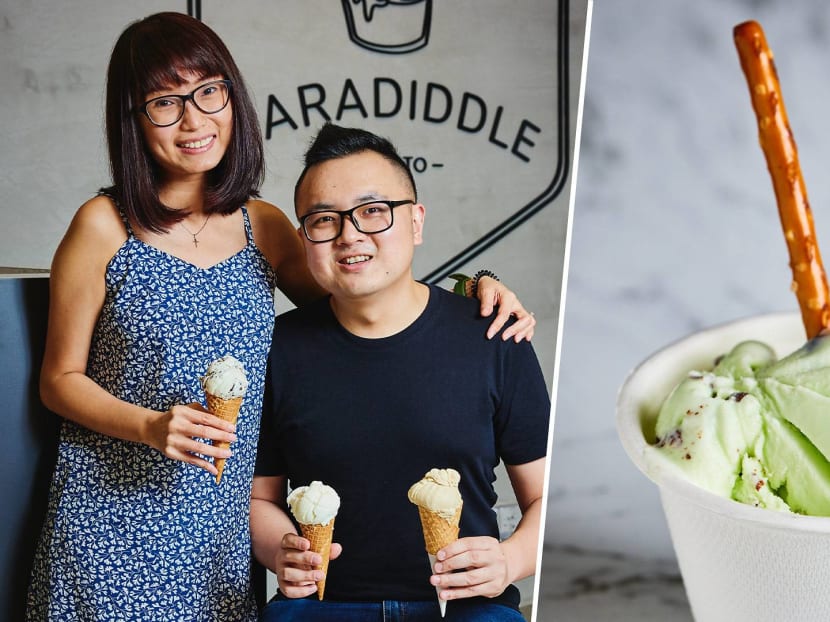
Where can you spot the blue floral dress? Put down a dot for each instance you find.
(131, 534)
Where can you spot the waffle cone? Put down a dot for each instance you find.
(320, 538)
(438, 531)
(227, 409)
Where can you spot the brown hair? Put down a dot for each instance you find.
(151, 54)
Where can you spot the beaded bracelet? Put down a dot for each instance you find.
(477, 277)
(468, 286)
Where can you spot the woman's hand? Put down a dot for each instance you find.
(493, 294)
(471, 567)
(175, 432)
(298, 568)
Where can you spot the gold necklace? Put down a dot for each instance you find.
(193, 235)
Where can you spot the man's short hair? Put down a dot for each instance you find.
(334, 141)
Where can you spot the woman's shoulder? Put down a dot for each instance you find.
(271, 226)
(266, 213)
(277, 238)
(99, 225)
(92, 239)
(99, 215)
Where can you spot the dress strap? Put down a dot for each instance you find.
(126, 221)
(249, 233)
(121, 213)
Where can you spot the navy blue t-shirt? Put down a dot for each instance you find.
(370, 417)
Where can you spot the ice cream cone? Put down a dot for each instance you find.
(320, 538)
(438, 531)
(227, 409)
(315, 507)
(439, 505)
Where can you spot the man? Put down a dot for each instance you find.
(389, 378)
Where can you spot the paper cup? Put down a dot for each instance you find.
(738, 562)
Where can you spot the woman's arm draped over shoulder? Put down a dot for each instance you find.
(280, 242)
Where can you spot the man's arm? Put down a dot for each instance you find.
(488, 565)
(528, 483)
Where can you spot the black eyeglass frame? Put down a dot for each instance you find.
(184, 99)
(350, 213)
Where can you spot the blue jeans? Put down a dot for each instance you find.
(311, 610)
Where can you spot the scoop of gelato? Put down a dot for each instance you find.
(754, 429)
(438, 492)
(225, 378)
(315, 504)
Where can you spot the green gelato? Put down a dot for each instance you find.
(755, 429)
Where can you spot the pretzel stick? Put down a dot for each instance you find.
(809, 280)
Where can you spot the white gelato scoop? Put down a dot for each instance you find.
(315, 504)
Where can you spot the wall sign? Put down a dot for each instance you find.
(473, 93)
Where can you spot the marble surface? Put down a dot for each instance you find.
(590, 586)
(674, 228)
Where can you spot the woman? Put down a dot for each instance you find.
(171, 267)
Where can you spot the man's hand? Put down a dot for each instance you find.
(298, 568)
(484, 567)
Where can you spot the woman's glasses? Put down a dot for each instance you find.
(166, 110)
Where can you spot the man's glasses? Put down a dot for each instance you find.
(166, 110)
(372, 217)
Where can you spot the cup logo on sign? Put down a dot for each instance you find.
(389, 26)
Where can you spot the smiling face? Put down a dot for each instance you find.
(358, 265)
(197, 142)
